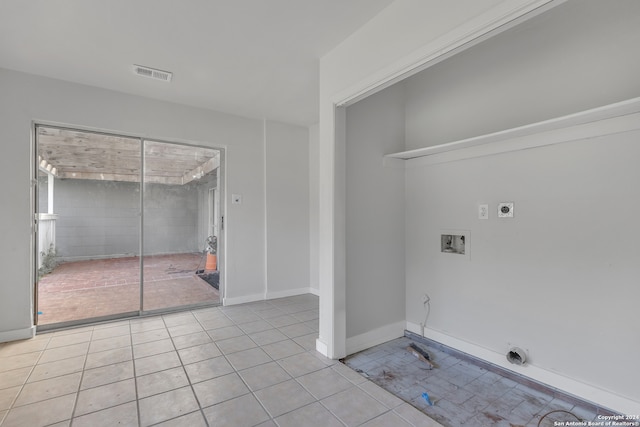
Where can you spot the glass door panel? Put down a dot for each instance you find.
(88, 217)
(177, 225)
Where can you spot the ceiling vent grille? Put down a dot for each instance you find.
(152, 73)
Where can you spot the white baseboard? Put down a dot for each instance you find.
(375, 337)
(322, 348)
(18, 334)
(243, 299)
(314, 291)
(288, 293)
(579, 389)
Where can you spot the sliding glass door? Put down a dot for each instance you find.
(124, 226)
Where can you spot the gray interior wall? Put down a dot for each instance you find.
(559, 279)
(27, 98)
(287, 207)
(585, 58)
(375, 274)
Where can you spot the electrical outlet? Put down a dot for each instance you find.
(483, 211)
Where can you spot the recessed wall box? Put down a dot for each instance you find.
(505, 210)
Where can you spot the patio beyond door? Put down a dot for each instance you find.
(122, 226)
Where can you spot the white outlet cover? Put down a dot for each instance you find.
(505, 210)
(236, 199)
(483, 211)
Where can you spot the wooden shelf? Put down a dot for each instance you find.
(618, 109)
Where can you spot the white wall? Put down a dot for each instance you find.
(375, 279)
(314, 208)
(287, 206)
(25, 98)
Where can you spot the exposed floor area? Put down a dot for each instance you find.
(246, 365)
(87, 289)
(461, 393)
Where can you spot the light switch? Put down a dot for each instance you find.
(236, 199)
(483, 211)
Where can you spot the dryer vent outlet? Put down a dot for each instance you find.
(517, 356)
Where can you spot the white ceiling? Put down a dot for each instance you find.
(254, 58)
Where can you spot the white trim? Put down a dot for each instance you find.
(314, 291)
(569, 385)
(18, 334)
(589, 123)
(242, 299)
(287, 293)
(265, 202)
(375, 337)
(322, 348)
(502, 17)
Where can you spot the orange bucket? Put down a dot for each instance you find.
(212, 262)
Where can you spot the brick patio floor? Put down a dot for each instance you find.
(87, 289)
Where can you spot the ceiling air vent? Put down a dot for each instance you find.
(152, 73)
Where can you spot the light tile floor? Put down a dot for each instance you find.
(247, 365)
(462, 393)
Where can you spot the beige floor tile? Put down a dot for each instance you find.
(381, 395)
(160, 382)
(122, 415)
(307, 341)
(18, 361)
(108, 357)
(14, 377)
(219, 389)
(7, 396)
(284, 397)
(198, 353)
(146, 324)
(353, 406)
(41, 413)
(248, 358)
(191, 340)
(324, 383)
(243, 411)
(149, 336)
(107, 374)
(224, 333)
(22, 347)
(268, 337)
(151, 348)
(257, 326)
(217, 323)
(177, 319)
(296, 330)
(106, 396)
(284, 320)
(207, 369)
(66, 352)
(97, 346)
(301, 364)
(56, 369)
(47, 389)
(194, 419)
(72, 338)
(270, 313)
(263, 376)
(158, 362)
(115, 331)
(282, 349)
(241, 318)
(311, 415)
(348, 373)
(191, 328)
(233, 345)
(162, 407)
